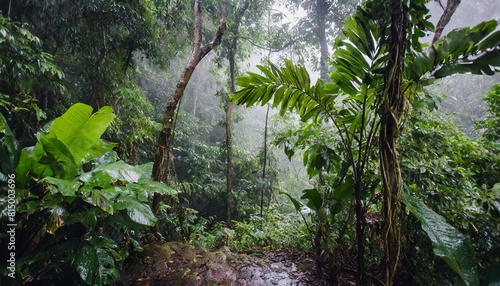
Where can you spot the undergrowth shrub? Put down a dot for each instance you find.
(274, 230)
(78, 211)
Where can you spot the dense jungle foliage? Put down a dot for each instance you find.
(349, 156)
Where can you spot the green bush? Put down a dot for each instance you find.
(274, 230)
(74, 227)
(453, 175)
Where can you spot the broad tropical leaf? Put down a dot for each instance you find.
(62, 162)
(80, 130)
(107, 174)
(314, 199)
(448, 243)
(67, 188)
(137, 211)
(473, 50)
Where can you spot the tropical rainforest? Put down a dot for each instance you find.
(201, 142)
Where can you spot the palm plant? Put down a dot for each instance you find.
(358, 103)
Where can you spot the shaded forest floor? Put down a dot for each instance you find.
(180, 264)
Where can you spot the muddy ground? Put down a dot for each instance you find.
(177, 264)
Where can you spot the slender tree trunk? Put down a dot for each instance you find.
(264, 163)
(229, 141)
(163, 162)
(360, 225)
(321, 10)
(451, 7)
(392, 109)
(133, 154)
(229, 166)
(233, 46)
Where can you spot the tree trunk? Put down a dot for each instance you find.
(132, 154)
(451, 7)
(321, 10)
(233, 46)
(264, 162)
(392, 109)
(163, 162)
(360, 225)
(229, 167)
(229, 141)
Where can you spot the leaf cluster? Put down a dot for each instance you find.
(73, 220)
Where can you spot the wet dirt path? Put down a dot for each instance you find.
(175, 264)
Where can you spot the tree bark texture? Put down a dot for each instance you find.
(451, 7)
(392, 110)
(163, 162)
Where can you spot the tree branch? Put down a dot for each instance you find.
(451, 7)
(221, 29)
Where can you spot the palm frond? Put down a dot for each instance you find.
(290, 89)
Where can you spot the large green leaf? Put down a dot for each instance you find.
(343, 192)
(87, 264)
(80, 130)
(137, 211)
(101, 151)
(107, 254)
(473, 50)
(65, 187)
(58, 157)
(487, 63)
(105, 175)
(448, 243)
(101, 198)
(314, 199)
(145, 188)
(23, 169)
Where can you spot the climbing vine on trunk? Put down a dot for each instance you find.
(392, 107)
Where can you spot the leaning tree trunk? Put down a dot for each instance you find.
(163, 162)
(392, 109)
(451, 7)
